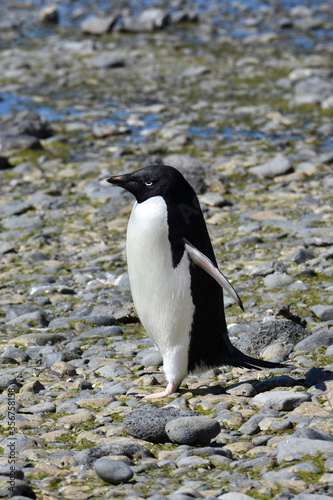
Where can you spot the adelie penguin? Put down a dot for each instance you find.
(175, 282)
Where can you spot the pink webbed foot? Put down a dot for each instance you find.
(171, 388)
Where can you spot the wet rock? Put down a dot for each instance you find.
(113, 471)
(95, 25)
(279, 165)
(149, 423)
(192, 430)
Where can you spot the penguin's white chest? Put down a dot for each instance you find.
(161, 293)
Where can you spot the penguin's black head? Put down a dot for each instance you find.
(155, 180)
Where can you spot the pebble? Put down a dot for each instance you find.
(187, 86)
(113, 471)
(192, 430)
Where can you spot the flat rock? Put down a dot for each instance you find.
(192, 430)
(96, 25)
(280, 400)
(292, 448)
(113, 471)
(279, 165)
(312, 342)
(123, 446)
(37, 339)
(323, 312)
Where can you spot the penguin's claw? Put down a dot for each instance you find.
(171, 389)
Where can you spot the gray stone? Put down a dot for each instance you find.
(317, 375)
(290, 449)
(15, 353)
(38, 339)
(152, 359)
(20, 442)
(6, 248)
(311, 496)
(113, 471)
(312, 342)
(49, 14)
(280, 400)
(323, 312)
(312, 433)
(40, 408)
(279, 165)
(95, 25)
(106, 60)
(278, 280)
(101, 331)
(18, 142)
(21, 490)
(6, 379)
(149, 423)
(148, 20)
(312, 90)
(29, 122)
(115, 389)
(302, 255)
(329, 464)
(124, 446)
(282, 331)
(6, 470)
(192, 430)
(191, 168)
(234, 495)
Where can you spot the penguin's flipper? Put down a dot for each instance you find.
(207, 265)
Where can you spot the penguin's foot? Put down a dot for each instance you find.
(171, 388)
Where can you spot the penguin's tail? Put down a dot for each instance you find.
(242, 360)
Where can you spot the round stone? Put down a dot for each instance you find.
(113, 471)
(192, 430)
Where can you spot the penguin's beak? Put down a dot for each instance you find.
(116, 179)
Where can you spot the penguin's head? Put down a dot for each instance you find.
(155, 180)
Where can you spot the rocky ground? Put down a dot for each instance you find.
(240, 98)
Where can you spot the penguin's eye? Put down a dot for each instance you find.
(148, 183)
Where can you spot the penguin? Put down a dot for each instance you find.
(175, 282)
